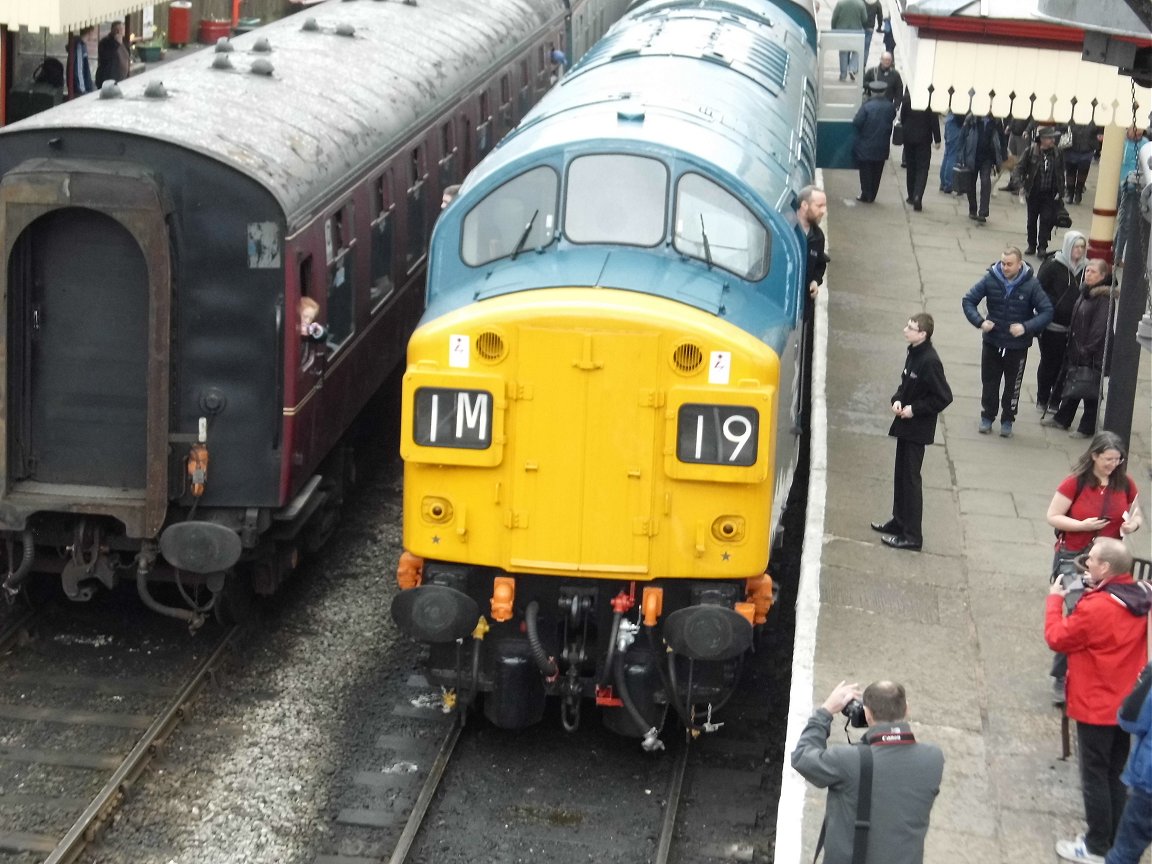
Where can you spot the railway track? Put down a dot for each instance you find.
(87, 697)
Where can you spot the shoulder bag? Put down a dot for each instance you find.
(898, 134)
(863, 810)
(961, 179)
(1081, 382)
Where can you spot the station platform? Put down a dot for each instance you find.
(960, 624)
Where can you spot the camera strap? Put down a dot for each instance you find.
(863, 810)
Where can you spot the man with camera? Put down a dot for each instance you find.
(1104, 638)
(886, 817)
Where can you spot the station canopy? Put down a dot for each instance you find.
(62, 16)
(1001, 56)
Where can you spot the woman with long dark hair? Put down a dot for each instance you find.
(1098, 499)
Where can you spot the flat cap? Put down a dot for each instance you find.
(878, 86)
(1047, 132)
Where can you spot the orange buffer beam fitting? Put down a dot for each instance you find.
(759, 593)
(410, 571)
(653, 605)
(503, 593)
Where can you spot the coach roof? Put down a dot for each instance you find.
(338, 95)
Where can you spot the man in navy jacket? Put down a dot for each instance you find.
(1017, 310)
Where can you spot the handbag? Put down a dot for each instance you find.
(961, 179)
(1081, 382)
(898, 135)
(1066, 139)
(1063, 218)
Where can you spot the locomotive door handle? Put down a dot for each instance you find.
(35, 319)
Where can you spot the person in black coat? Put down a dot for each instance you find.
(923, 393)
(921, 134)
(812, 204)
(873, 124)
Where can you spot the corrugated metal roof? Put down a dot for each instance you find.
(61, 16)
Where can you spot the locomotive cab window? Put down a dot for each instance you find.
(713, 226)
(615, 198)
(519, 215)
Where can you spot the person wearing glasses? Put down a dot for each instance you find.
(1104, 638)
(1098, 499)
(923, 393)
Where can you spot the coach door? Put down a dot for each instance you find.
(85, 367)
(584, 452)
(838, 101)
(83, 303)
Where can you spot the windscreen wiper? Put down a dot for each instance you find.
(524, 236)
(707, 247)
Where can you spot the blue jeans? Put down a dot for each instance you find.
(1135, 832)
(867, 44)
(849, 62)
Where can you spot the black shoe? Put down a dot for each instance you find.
(917, 206)
(1031, 250)
(1041, 251)
(889, 527)
(972, 216)
(908, 201)
(900, 543)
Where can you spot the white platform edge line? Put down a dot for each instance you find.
(790, 814)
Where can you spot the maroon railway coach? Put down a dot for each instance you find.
(163, 418)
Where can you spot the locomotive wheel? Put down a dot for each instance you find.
(236, 602)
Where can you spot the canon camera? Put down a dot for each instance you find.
(854, 711)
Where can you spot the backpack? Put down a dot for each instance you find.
(50, 72)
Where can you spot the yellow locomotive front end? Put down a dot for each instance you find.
(589, 433)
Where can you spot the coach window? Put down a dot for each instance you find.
(542, 56)
(417, 206)
(712, 225)
(307, 350)
(484, 130)
(506, 120)
(383, 232)
(447, 163)
(525, 88)
(613, 198)
(519, 215)
(340, 231)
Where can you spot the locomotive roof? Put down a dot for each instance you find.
(337, 97)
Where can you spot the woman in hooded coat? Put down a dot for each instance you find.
(1060, 277)
(1089, 338)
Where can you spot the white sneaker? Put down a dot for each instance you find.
(1075, 850)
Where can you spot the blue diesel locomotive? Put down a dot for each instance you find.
(600, 405)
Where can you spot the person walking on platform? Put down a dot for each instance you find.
(850, 15)
(885, 71)
(953, 126)
(921, 134)
(1040, 175)
(1018, 309)
(1134, 835)
(1078, 158)
(1103, 637)
(1060, 278)
(905, 777)
(1089, 344)
(922, 394)
(870, 149)
(981, 149)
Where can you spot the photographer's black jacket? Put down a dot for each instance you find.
(923, 387)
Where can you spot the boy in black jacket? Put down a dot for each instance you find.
(923, 393)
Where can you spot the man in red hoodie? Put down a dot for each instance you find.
(1104, 638)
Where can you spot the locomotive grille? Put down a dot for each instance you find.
(687, 358)
(490, 346)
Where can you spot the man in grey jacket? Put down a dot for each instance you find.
(905, 776)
